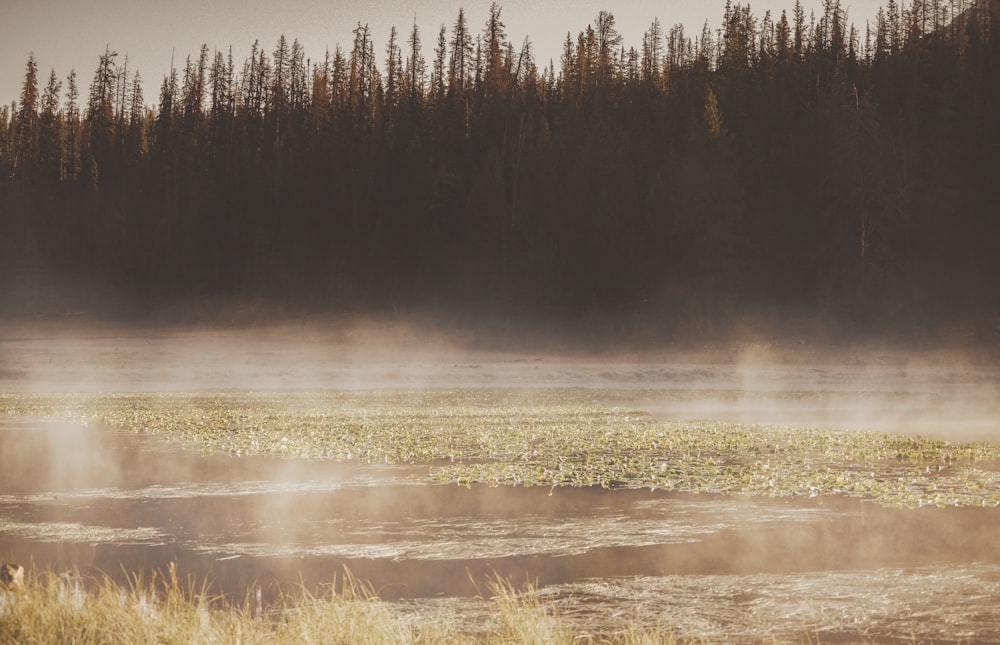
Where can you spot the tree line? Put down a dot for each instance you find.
(775, 163)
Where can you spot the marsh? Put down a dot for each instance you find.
(216, 477)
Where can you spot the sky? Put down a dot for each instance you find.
(73, 34)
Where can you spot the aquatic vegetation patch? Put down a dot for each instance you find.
(547, 437)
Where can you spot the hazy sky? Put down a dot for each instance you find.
(67, 34)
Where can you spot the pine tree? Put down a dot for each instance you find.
(461, 61)
(608, 42)
(361, 83)
(782, 39)
(393, 77)
(298, 88)
(135, 130)
(50, 134)
(894, 27)
(569, 71)
(798, 38)
(98, 157)
(497, 75)
(339, 78)
(193, 99)
(72, 144)
(713, 116)
(416, 68)
(652, 53)
(677, 48)
(438, 70)
(281, 68)
(26, 130)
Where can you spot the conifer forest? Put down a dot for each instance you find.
(798, 166)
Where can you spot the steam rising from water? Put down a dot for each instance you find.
(948, 395)
(719, 568)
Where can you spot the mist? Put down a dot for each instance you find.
(949, 393)
(770, 221)
(103, 503)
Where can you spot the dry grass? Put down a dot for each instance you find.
(163, 609)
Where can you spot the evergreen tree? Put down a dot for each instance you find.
(762, 159)
(652, 53)
(416, 68)
(26, 121)
(438, 81)
(100, 120)
(72, 143)
(50, 133)
(394, 75)
(497, 77)
(461, 60)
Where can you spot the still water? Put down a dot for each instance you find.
(725, 568)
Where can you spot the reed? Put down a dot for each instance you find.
(163, 609)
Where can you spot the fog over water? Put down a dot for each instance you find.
(724, 568)
(952, 395)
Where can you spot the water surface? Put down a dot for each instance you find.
(727, 568)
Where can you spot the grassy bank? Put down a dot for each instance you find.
(166, 610)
